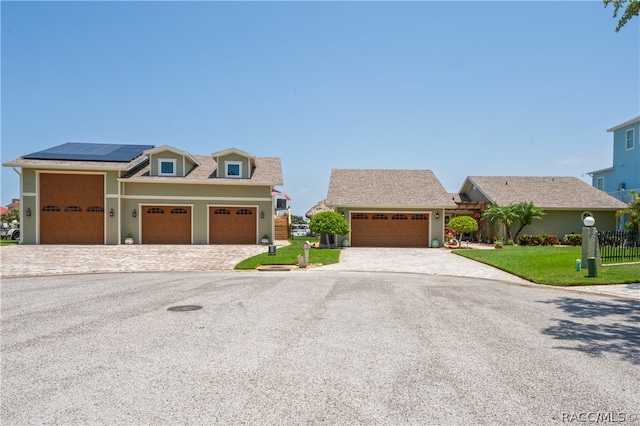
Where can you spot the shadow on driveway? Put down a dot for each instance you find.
(600, 327)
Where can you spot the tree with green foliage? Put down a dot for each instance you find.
(329, 223)
(10, 216)
(632, 222)
(462, 225)
(526, 213)
(632, 9)
(504, 215)
(297, 219)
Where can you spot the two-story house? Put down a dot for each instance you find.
(624, 175)
(82, 193)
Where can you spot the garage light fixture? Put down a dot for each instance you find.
(437, 215)
(28, 212)
(135, 213)
(111, 213)
(261, 214)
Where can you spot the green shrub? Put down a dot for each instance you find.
(498, 244)
(572, 239)
(509, 242)
(538, 240)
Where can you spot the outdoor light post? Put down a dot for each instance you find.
(590, 249)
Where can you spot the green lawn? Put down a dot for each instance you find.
(8, 242)
(552, 265)
(288, 255)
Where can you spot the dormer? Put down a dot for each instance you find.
(234, 164)
(166, 161)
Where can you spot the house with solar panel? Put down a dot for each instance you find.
(85, 193)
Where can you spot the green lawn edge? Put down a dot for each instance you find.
(555, 265)
(288, 255)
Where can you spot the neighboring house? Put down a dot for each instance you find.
(390, 208)
(14, 204)
(565, 200)
(81, 193)
(624, 175)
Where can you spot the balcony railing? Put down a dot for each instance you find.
(624, 195)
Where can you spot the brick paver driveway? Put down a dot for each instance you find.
(33, 260)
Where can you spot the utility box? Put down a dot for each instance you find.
(272, 250)
(592, 264)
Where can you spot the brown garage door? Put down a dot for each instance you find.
(166, 224)
(232, 225)
(389, 230)
(71, 209)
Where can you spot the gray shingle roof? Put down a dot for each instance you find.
(550, 192)
(386, 188)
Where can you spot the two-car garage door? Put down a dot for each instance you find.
(172, 225)
(389, 230)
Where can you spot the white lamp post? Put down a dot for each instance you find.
(590, 251)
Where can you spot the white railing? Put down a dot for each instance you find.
(624, 195)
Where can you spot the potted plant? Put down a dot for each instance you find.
(129, 239)
(265, 239)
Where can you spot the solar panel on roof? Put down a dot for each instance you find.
(75, 151)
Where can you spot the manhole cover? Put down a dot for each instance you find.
(185, 308)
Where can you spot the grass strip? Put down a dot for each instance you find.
(555, 265)
(288, 255)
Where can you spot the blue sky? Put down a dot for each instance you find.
(460, 88)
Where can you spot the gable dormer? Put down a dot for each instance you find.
(234, 164)
(166, 161)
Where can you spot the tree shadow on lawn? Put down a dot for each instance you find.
(593, 335)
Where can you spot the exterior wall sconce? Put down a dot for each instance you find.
(135, 213)
(437, 215)
(28, 212)
(261, 214)
(111, 213)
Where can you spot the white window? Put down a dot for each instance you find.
(629, 139)
(233, 169)
(600, 183)
(166, 167)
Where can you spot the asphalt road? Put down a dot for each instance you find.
(300, 347)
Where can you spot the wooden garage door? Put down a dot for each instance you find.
(232, 225)
(71, 209)
(389, 230)
(166, 224)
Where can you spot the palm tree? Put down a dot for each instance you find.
(504, 215)
(633, 221)
(526, 213)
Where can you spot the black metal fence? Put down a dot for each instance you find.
(619, 246)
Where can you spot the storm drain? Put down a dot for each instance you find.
(184, 308)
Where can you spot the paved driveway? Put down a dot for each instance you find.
(338, 348)
(418, 261)
(33, 260)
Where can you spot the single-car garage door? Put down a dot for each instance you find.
(232, 225)
(166, 224)
(71, 208)
(389, 230)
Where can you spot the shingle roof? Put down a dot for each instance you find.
(386, 188)
(550, 192)
(268, 171)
